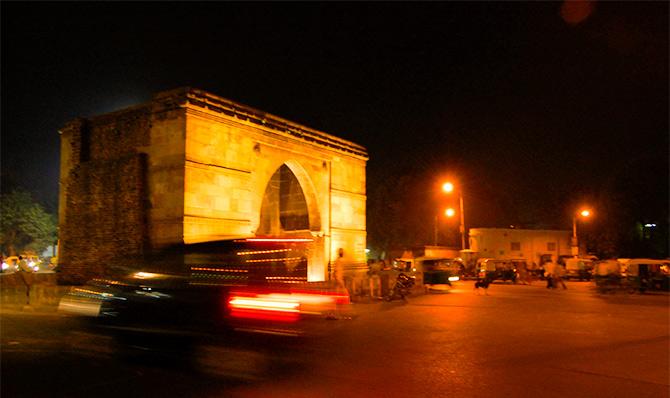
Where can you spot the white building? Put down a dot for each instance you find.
(536, 246)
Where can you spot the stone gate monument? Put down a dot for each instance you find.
(190, 166)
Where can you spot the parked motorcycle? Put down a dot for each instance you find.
(402, 287)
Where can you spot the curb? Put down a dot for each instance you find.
(29, 310)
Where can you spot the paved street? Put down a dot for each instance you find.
(518, 341)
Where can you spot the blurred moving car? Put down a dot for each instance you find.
(208, 290)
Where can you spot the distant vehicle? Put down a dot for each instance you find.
(500, 269)
(10, 264)
(53, 263)
(13, 263)
(578, 268)
(644, 274)
(607, 275)
(440, 271)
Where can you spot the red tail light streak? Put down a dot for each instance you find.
(264, 307)
(288, 307)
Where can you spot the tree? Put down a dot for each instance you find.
(24, 225)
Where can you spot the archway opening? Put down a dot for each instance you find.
(284, 209)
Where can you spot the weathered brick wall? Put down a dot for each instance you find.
(117, 134)
(105, 212)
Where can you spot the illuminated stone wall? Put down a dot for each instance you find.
(190, 167)
(233, 151)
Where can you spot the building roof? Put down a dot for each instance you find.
(203, 99)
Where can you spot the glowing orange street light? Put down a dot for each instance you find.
(575, 243)
(448, 187)
(449, 212)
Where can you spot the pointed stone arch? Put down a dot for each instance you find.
(289, 202)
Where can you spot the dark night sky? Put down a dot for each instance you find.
(531, 112)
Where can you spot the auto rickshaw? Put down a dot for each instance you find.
(642, 274)
(607, 275)
(578, 268)
(10, 264)
(492, 269)
(441, 272)
(13, 263)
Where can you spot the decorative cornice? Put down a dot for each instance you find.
(187, 96)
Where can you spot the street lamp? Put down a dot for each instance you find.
(447, 212)
(448, 187)
(584, 213)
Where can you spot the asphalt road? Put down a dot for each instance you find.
(518, 341)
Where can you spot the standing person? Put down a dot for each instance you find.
(559, 272)
(523, 274)
(384, 278)
(23, 264)
(549, 269)
(339, 270)
(374, 280)
(26, 276)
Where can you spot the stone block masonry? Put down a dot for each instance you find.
(190, 166)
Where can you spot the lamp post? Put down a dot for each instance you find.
(585, 213)
(447, 212)
(448, 187)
